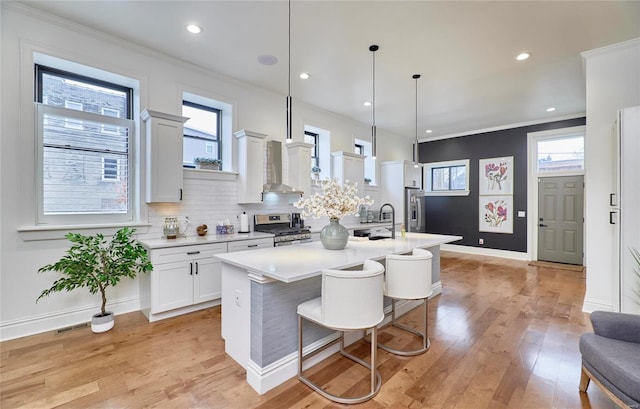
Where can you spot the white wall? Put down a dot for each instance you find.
(613, 82)
(162, 81)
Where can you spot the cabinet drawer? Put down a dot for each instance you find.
(184, 253)
(249, 244)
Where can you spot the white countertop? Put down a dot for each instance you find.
(208, 239)
(301, 261)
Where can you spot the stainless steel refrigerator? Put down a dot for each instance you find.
(414, 210)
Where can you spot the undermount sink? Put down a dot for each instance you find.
(378, 237)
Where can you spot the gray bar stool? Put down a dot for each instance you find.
(408, 277)
(350, 300)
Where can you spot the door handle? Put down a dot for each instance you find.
(191, 269)
(543, 225)
(196, 267)
(612, 219)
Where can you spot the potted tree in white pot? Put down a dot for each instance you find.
(97, 264)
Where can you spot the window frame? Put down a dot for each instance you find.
(42, 110)
(315, 151)
(218, 140)
(428, 178)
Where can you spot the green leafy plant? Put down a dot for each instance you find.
(367, 180)
(97, 264)
(207, 161)
(636, 256)
(315, 169)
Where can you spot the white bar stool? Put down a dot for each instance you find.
(351, 300)
(408, 277)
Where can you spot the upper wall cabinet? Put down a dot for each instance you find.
(348, 166)
(164, 156)
(300, 166)
(251, 152)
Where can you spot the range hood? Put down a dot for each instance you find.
(274, 171)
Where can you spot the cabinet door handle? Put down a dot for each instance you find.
(196, 267)
(180, 193)
(190, 253)
(252, 245)
(191, 269)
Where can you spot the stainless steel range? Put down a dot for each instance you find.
(279, 224)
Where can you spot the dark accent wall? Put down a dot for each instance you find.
(458, 215)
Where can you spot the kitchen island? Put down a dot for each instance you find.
(261, 290)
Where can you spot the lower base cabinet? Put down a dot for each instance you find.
(187, 278)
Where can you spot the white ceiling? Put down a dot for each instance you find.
(464, 51)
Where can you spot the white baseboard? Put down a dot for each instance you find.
(591, 306)
(263, 379)
(178, 311)
(49, 322)
(515, 255)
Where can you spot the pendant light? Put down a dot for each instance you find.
(289, 101)
(415, 145)
(373, 49)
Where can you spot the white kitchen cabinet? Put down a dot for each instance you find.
(253, 244)
(394, 177)
(182, 277)
(348, 166)
(300, 166)
(412, 176)
(251, 153)
(164, 136)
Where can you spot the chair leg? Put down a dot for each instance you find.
(376, 379)
(426, 343)
(584, 380)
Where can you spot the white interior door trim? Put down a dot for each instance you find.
(532, 183)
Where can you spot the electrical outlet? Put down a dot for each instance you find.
(480, 241)
(238, 294)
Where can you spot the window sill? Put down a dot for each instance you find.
(39, 233)
(204, 174)
(448, 193)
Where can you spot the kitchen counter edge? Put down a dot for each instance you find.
(194, 240)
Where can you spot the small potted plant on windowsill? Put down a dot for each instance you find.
(97, 264)
(367, 181)
(208, 163)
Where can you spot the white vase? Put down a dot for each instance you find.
(102, 323)
(334, 236)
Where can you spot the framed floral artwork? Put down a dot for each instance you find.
(496, 214)
(496, 176)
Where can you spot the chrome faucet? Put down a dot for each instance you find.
(393, 218)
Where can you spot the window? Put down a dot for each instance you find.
(560, 154)
(110, 169)
(313, 138)
(363, 147)
(449, 178)
(114, 113)
(72, 123)
(201, 133)
(84, 148)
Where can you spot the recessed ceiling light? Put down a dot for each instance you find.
(367, 103)
(428, 131)
(551, 109)
(267, 59)
(304, 75)
(194, 28)
(523, 56)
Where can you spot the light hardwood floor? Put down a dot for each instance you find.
(503, 335)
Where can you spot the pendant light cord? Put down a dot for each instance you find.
(415, 148)
(289, 72)
(373, 49)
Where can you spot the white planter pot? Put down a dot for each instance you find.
(102, 323)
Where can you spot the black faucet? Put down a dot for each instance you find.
(393, 219)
